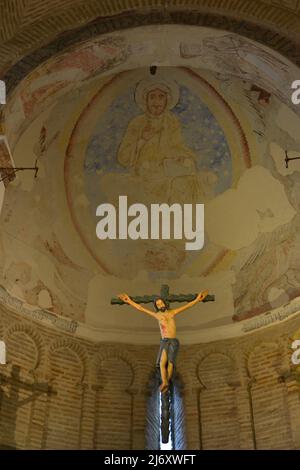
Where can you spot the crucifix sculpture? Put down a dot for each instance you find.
(169, 344)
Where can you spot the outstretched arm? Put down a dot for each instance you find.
(129, 301)
(199, 298)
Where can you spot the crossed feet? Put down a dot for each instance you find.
(164, 387)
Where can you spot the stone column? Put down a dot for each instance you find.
(87, 424)
(244, 403)
(245, 414)
(39, 409)
(140, 399)
(191, 402)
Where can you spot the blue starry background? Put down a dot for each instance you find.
(200, 129)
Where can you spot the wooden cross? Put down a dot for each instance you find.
(164, 295)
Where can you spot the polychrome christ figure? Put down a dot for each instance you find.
(169, 344)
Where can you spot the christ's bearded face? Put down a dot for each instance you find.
(156, 101)
(160, 305)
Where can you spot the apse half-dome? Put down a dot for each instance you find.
(219, 139)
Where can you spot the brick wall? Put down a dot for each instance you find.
(114, 405)
(64, 407)
(269, 398)
(217, 400)
(59, 392)
(153, 417)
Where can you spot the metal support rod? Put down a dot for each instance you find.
(287, 159)
(14, 170)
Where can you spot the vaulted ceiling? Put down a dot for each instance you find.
(26, 26)
(71, 70)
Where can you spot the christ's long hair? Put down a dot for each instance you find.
(164, 301)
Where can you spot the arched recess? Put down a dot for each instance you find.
(217, 403)
(18, 401)
(63, 417)
(268, 395)
(25, 347)
(114, 403)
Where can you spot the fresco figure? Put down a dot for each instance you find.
(160, 165)
(154, 137)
